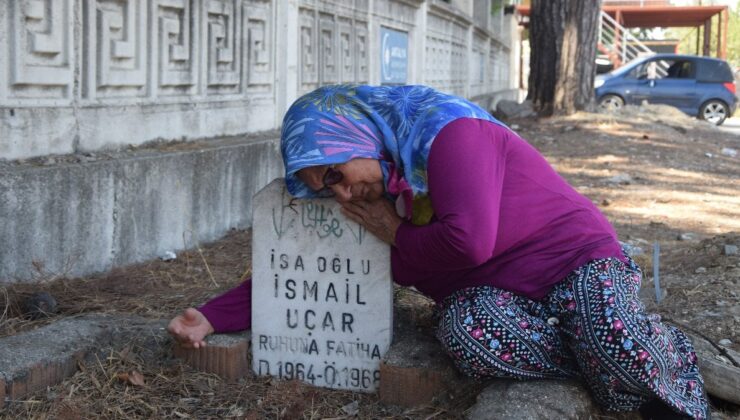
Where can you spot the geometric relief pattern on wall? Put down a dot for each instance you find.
(346, 51)
(307, 50)
(495, 72)
(459, 58)
(491, 65)
(361, 6)
(437, 71)
(479, 64)
(439, 54)
(328, 50)
(259, 46)
(223, 46)
(177, 37)
(396, 11)
(361, 51)
(120, 35)
(40, 43)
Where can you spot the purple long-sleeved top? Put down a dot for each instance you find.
(503, 217)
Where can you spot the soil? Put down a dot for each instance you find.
(659, 177)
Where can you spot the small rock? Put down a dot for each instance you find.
(700, 270)
(709, 155)
(632, 250)
(730, 250)
(40, 305)
(605, 202)
(645, 137)
(727, 151)
(686, 237)
(168, 256)
(725, 342)
(548, 138)
(620, 179)
(520, 400)
(515, 126)
(568, 128)
(352, 408)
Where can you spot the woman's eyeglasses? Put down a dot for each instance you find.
(332, 177)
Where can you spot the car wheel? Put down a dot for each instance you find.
(714, 111)
(611, 103)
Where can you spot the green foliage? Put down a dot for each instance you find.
(733, 38)
(687, 36)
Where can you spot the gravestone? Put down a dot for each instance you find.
(322, 298)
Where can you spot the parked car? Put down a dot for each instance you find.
(699, 86)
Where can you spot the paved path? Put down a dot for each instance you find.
(732, 125)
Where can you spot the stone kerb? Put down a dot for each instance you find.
(321, 296)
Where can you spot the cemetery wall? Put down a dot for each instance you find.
(81, 76)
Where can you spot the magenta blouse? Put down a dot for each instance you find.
(503, 218)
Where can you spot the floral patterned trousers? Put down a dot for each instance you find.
(592, 325)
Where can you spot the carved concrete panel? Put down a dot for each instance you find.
(40, 45)
(259, 45)
(176, 33)
(346, 49)
(328, 50)
(396, 11)
(309, 73)
(115, 42)
(222, 20)
(446, 54)
(479, 61)
(361, 51)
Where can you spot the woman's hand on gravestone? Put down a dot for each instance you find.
(190, 328)
(378, 217)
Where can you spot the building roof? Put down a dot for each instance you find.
(655, 16)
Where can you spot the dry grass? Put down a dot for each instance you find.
(158, 289)
(173, 391)
(155, 289)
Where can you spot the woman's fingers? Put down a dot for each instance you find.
(190, 328)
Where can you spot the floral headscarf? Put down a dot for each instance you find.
(395, 125)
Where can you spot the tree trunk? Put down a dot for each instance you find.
(563, 37)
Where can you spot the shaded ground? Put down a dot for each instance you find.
(649, 170)
(658, 175)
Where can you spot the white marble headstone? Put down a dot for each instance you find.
(322, 298)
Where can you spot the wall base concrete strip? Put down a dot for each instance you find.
(226, 355)
(76, 218)
(34, 360)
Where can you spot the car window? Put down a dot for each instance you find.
(714, 71)
(664, 69)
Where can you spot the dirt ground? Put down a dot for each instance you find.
(657, 175)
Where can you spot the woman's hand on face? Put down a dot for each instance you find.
(377, 216)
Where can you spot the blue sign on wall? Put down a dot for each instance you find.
(394, 52)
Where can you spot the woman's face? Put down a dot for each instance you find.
(362, 179)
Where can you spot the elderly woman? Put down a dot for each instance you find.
(528, 275)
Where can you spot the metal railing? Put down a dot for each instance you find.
(618, 43)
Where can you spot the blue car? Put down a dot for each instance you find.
(703, 87)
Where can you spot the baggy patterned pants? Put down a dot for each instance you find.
(592, 325)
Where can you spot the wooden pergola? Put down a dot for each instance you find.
(660, 15)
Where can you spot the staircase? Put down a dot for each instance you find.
(617, 44)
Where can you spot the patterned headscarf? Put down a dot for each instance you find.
(395, 125)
